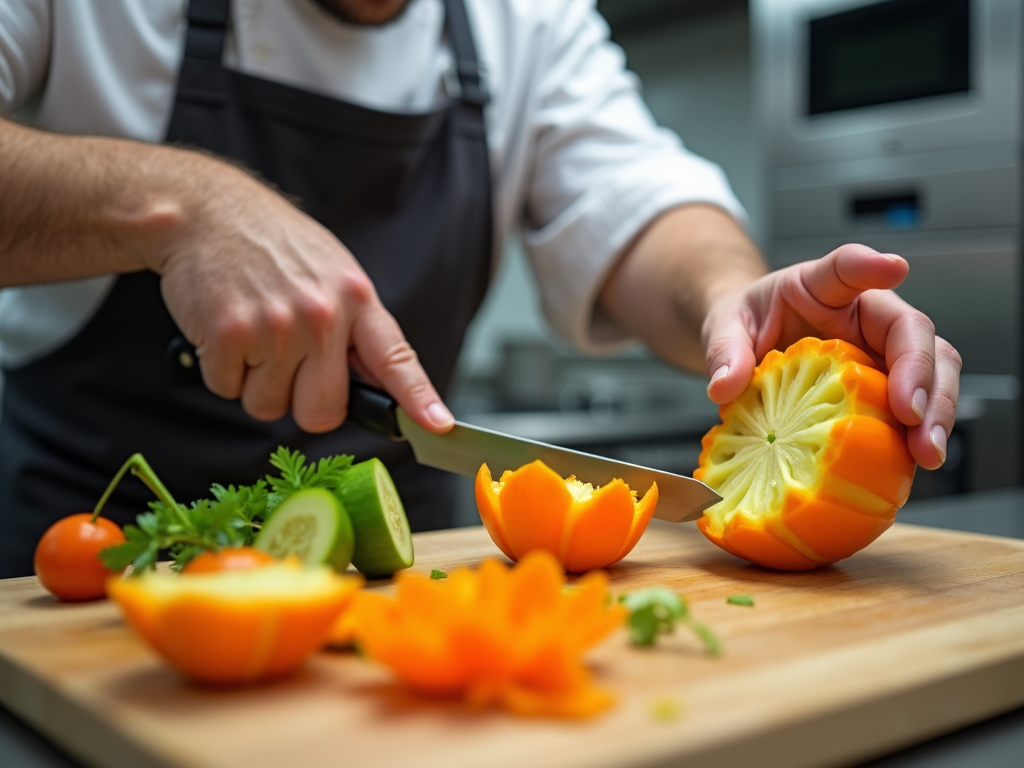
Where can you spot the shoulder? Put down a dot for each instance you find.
(114, 72)
(521, 40)
(530, 19)
(530, 11)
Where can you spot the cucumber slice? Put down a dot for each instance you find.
(312, 525)
(383, 537)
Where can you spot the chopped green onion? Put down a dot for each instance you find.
(747, 600)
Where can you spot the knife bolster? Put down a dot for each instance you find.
(373, 409)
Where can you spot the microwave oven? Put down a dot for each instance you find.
(852, 79)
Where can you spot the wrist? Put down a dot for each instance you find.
(178, 186)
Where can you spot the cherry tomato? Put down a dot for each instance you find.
(67, 557)
(228, 559)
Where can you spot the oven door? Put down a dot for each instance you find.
(858, 78)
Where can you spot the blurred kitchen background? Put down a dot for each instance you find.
(895, 123)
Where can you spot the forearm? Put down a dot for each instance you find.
(76, 206)
(663, 286)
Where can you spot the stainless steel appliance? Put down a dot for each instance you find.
(898, 123)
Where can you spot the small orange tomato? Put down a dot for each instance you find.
(584, 527)
(229, 559)
(67, 560)
(235, 627)
(810, 461)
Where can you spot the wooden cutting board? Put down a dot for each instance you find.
(919, 634)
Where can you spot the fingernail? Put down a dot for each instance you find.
(938, 436)
(721, 373)
(919, 402)
(439, 415)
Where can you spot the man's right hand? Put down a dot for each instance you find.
(278, 309)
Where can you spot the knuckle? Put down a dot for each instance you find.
(279, 320)
(925, 321)
(232, 328)
(319, 314)
(276, 331)
(717, 349)
(946, 351)
(357, 287)
(918, 358)
(947, 403)
(399, 356)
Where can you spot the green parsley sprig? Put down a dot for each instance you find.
(230, 517)
(656, 611)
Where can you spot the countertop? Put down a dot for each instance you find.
(996, 743)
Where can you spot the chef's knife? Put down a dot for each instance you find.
(464, 448)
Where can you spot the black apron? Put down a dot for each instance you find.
(409, 195)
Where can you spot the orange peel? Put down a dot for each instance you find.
(586, 528)
(811, 463)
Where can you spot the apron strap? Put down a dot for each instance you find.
(207, 29)
(471, 80)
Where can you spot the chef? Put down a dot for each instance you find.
(213, 213)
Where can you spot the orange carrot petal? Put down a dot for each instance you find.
(535, 505)
(641, 519)
(597, 528)
(489, 506)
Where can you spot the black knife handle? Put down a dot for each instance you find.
(373, 409)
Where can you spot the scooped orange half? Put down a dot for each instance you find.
(584, 527)
(810, 461)
(233, 627)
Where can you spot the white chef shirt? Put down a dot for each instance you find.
(578, 165)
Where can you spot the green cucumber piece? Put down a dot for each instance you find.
(312, 525)
(383, 537)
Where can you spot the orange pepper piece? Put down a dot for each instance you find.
(229, 559)
(810, 461)
(586, 528)
(497, 636)
(234, 627)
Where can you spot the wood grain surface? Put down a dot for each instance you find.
(919, 634)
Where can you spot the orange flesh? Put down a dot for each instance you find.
(810, 461)
(237, 626)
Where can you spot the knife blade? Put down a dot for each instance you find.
(464, 448)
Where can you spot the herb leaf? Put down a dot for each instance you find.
(656, 611)
(230, 517)
(296, 474)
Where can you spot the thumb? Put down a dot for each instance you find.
(730, 358)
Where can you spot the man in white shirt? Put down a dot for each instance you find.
(160, 298)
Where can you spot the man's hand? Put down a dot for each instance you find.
(278, 309)
(694, 288)
(846, 295)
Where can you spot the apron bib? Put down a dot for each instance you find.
(408, 195)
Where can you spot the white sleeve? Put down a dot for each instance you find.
(24, 50)
(601, 171)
